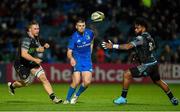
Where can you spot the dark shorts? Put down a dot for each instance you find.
(23, 69)
(143, 71)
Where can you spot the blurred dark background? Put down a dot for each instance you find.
(56, 19)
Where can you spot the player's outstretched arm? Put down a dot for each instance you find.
(110, 45)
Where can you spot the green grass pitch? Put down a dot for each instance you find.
(98, 97)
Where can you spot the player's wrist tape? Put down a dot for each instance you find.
(115, 46)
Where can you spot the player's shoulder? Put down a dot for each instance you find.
(145, 34)
(139, 37)
(26, 39)
(74, 35)
(88, 30)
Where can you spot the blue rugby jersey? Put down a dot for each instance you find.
(81, 45)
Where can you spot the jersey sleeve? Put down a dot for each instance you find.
(138, 41)
(71, 43)
(25, 43)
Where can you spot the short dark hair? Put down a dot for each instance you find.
(142, 22)
(31, 23)
(80, 19)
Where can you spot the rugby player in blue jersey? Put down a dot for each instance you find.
(79, 54)
(144, 46)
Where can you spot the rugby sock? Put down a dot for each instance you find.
(169, 94)
(124, 93)
(70, 93)
(81, 89)
(52, 96)
(11, 86)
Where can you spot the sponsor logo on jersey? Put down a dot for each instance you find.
(78, 41)
(88, 37)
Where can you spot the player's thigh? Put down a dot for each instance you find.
(39, 73)
(154, 73)
(43, 78)
(76, 77)
(87, 76)
(135, 72)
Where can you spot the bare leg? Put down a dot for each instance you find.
(86, 81)
(166, 89)
(39, 72)
(47, 86)
(127, 77)
(76, 78)
(86, 78)
(18, 84)
(163, 85)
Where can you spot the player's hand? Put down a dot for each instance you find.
(46, 45)
(37, 60)
(40, 49)
(107, 45)
(72, 62)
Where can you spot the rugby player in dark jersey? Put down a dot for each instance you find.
(27, 65)
(144, 46)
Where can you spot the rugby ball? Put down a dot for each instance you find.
(97, 16)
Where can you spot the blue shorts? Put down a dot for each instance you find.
(82, 67)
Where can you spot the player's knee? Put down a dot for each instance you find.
(75, 83)
(157, 82)
(87, 82)
(127, 74)
(25, 84)
(43, 79)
